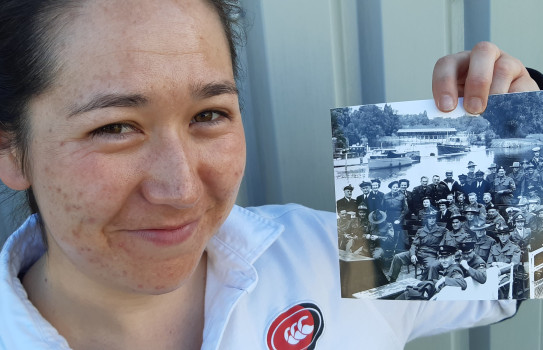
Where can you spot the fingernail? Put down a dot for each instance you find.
(446, 103)
(474, 105)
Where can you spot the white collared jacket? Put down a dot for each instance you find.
(272, 282)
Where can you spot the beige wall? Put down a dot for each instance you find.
(517, 28)
(414, 42)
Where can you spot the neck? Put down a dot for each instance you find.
(119, 319)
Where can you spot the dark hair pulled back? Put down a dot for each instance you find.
(28, 62)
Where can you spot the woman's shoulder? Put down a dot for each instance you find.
(285, 211)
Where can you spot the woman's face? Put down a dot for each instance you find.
(137, 149)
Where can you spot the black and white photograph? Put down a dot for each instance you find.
(440, 206)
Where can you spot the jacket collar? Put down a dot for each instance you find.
(240, 241)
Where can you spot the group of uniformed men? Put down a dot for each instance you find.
(481, 219)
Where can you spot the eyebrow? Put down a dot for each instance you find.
(109, 100)
(198, 91)
(208, 90)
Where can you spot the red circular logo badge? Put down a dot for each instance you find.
(298, 328)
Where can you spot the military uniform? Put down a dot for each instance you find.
(479, 188)
(490, 178)
(380, 247)
(483, 246)
(506, 186)
(498, 221)
(444, 216)
(362, 200)
(375, 200)
(348, 204)
(454, 209)
(461, 206)
(521, 238)
(426, 241)
(537, 162)
(425, 211)
(344, 232)
(409, 199)
(480, 208)
(417, 195)
(454, 277)
(359, 228)
(532, 183)
(434, 193)
(424, 247)
(518, 178)
(508, 253)
(395, 205)
(453, 238)
(446, 187)
(477, 268)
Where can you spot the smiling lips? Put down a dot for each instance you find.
(167, 236)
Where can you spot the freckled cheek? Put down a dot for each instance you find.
(221, 168)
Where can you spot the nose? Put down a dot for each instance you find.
(172, 174)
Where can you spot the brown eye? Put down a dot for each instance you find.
(119, 129)
(207, 116)
(113, 129)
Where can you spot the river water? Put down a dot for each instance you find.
(430, 165)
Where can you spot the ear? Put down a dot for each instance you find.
(11, 173)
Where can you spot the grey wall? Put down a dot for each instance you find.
(306, 56)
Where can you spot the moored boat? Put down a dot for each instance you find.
(387, 158)
(453, 145)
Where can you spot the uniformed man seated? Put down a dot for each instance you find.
(450, 274)
(505, 251)
(472, 264)
(483, 242)
(423, 249)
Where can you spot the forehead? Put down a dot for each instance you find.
(113, 44)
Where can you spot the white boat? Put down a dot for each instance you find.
(453, 146)
(388, 158)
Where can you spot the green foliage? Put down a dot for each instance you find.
(337, 132)
(365, 123)
(507, 116)
(515, 115)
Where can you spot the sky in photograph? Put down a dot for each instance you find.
(416, 107)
